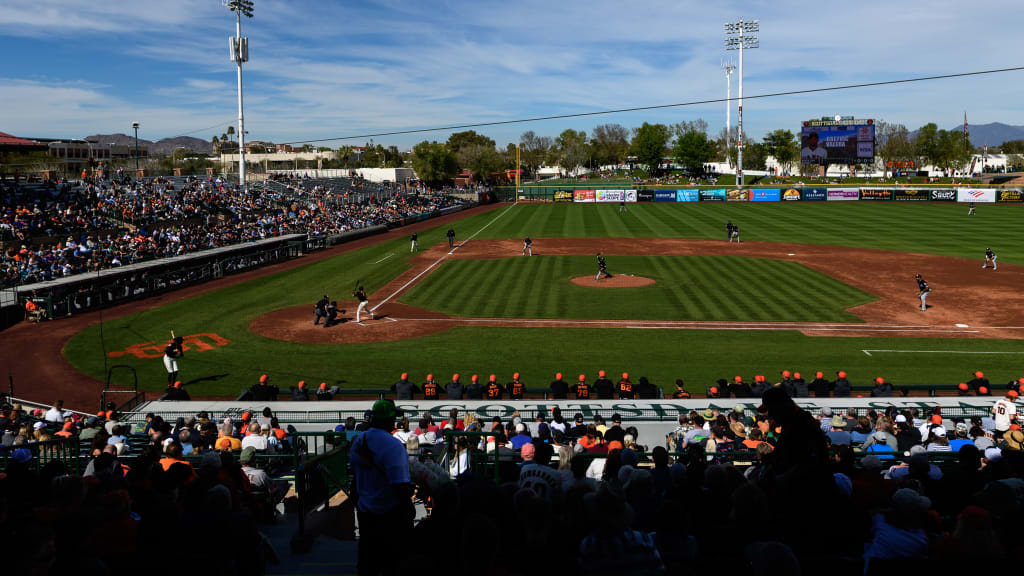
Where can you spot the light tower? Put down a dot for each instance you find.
(740, 35)
(240, 53)
(728, 67)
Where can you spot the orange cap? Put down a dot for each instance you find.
(737, 379)
(962, 386)
(841, 374)
(601, 374)
(264, 378)
(819, 374)
(474, 378)
(515, 376)
(558, 375)
(246, 416)
(405, 375)
(983, 390)
(455, 377)
(492, 378)
(323, 385)
(1012, 394)
(796, 375)
(430, 376)
(614, 445)
(582, 378)
(177, 384)
(879, 380)
(625, 375)
(979, 374)
(936, 419)
(786, 374)
(713, 390)
(302, 384)
(1020, 380)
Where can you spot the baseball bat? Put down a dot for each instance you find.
(172, 334)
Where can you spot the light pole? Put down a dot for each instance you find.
(740, 35)
(239, 54)
(728, 67)
(135, 125)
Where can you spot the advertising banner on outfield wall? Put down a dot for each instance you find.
(584, 196)
(666, 195)
(765, 195)
(609, 195)
(564, 196)
(975, 195)
(944, 195)
(687, 196)
(1008, 196)
(843, 194)
(629, 195)
(875, 194)
(648, 196)
(737, 195)
(790, 195)
(910, 195)
(814, 194)
(717, 195)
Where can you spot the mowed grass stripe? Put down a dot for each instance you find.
(686, 288)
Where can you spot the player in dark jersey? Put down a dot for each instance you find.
(174, 350)
(451, 236)
(415, 242)
(680, 392)
(494, 390)
(431, 390)
(559, 388)
(970, 209)
(604, 387)
(602, 268)
(625, 387)
(581, 390)
(516, 389)
(990, 258)
(728, 230)
(527, 246)
(922, 291)
(360, 295)
(320, 309)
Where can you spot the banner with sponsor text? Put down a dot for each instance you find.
(648, 196)
(609, 195)
(985, 195)
(737, 195)
(876, 194)
(564, 196)
(717, 195)
(911, 195)
(1008, 196)
(584, 196)
(665, 195)
(814, 194)
(765, 195)
(687, 195)
(944, 195)
(843, 194)
(790, 195)
(629, 195)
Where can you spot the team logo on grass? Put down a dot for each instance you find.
(196, 343)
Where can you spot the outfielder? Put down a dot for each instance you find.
(360, 295)
(734, 234)
(990, 258)
(923, 291)
(172, 352)
(602, 268)
(527, 246)
(970, 209)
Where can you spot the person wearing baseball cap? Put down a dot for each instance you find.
(475, 390)
(431, 389)
(1005, 413)
(841, 388)
(383, 491)
(820, 387)
(516, 389)
(455, 389)
(978, 381)
(299, 392)
(559, 388)
(404, 389)
(603, 386)
(323, 393)
(625, 387)
(680, 393)
(882, 388)
(738, 388)
(494, 390)
(581, 389)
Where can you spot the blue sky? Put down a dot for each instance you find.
(322, 69)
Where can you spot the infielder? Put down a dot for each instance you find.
(734, 234)
(728, 230)
(172, 352)
(360, 295)
(990, 258)
(527, 246)
(415, 244)
(451, 236)
(923, 291)
(970, 209)
(602, 268)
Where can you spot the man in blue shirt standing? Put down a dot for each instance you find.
(383, 491)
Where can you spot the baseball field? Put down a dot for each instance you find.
(813, 286)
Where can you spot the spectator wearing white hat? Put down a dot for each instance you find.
(937, 441)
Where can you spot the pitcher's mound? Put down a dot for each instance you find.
(616, 281)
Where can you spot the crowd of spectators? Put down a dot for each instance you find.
(110, 223)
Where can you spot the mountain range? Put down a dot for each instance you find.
(993, 134)
(158, 148)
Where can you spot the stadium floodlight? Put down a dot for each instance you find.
(135, 126)
(240, 53)
(739, 35)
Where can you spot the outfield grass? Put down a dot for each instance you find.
(930, 228)
(663, 355)
(686, 288)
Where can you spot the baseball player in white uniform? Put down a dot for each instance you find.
(172, 352)
(360, 295)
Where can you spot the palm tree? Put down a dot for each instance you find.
(231, 132)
